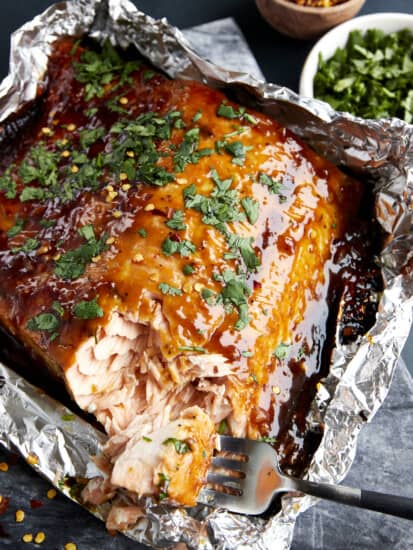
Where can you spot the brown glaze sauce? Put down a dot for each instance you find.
(319, 226)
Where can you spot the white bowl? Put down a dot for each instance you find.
(337, 38)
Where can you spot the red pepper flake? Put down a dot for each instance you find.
(257, 285)
(4, 504)
(175, 237)
(34, 503)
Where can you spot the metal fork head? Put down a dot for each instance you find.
(244, 477)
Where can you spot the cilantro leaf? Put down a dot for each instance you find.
(273, 185)
(371, 76)
(29, 245)
(184, 248)
(181, 447)
(169, 290)
(58, 308)
(251, 208)
(268, 439)
(281, 351)
(89, 137)
(223, 427)
(33, 194)
(46, 322)
(16, 228)
(8, 185)
(73, 263)
(96, 69)
(235, 295)
(177, 221)
(88, 309)
(188, 269)
(227, 111)
(238, 150)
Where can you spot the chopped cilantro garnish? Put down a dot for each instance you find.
(147, 75)
(188, 269)
(177, 221)
(227, 111)
(89, 137)
(16, 228)
(147, 439)
(88, 309)
(281, 351)
(245, 248)
(222, 206)
(97, 69)
(7, 184)
(163, 478)
(238, 130)
(207, 295)
(187, 152)
(58, 308)
(197, 116)
(184, 248)
(246, 353)
(198, 349)
(91, 112)
(237, 149)
(28, 246)
(181, 447)
(169, 290)
(46, 322)
(142, 232)
(223, 427)
(235, 295)
(68, 417)
(371, 76)
(268, 439)
(251, 208)
(73, 263)
(249, 118)
(273, 185)
(33, 194)
(40, 165)
(87, 232)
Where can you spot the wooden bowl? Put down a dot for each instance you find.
(306, 22)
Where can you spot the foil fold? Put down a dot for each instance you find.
(381, 154)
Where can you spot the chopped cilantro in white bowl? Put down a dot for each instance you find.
(364, 66)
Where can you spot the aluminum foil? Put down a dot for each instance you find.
(380, 152)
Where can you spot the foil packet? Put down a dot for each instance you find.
(380, 152)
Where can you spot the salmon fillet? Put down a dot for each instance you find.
(165, 251)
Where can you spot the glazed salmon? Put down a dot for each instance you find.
(165, 252)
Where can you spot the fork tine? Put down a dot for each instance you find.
(225, 480)
(229, 464)
(236, 445)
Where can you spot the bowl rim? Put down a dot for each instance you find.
(316, 10)
(307, 73)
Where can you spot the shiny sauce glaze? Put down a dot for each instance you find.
(259, 275)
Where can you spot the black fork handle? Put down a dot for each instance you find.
(394, 505)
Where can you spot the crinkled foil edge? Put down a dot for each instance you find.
(380, 152)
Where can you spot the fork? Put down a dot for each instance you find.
(245, 476)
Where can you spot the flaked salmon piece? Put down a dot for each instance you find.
(176, 458)
(121, 517)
